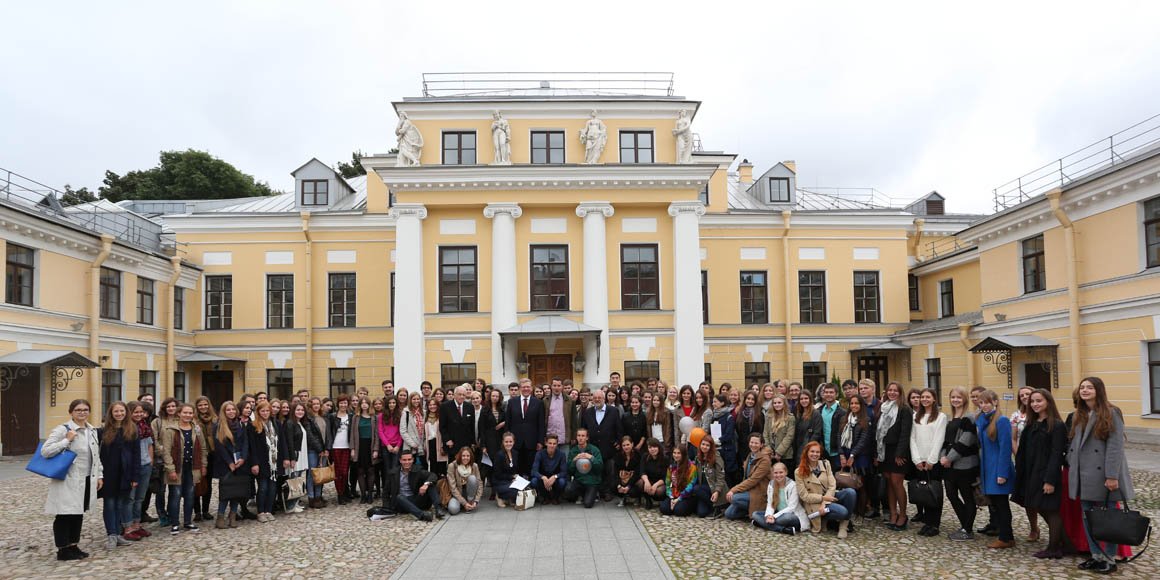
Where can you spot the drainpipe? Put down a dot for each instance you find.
(170, 354)
(95, 315)
(964, 332)
(1072, 283)
(788, 281)
(917, 240)
(309, 306)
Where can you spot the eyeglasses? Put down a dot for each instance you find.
(80, 410)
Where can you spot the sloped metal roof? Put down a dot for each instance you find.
(60, 358)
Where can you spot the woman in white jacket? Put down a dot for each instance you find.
(783, 511)
(926, 441)
(70, 498)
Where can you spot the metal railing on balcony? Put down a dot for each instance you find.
(839, 198)
(487, 84)
(942, 246)
(1106, 152)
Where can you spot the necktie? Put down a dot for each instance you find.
(461, 409)
(525, 413)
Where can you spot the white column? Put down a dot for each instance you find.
(688, 331)
(596, 289)
(410, 344)
(503, 288)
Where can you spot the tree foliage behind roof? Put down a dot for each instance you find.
(354, 168)
(188, 174)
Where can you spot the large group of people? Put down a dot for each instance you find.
(769, 455)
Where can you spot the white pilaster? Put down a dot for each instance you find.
(410, 346)
(689, 333)
(596, 288)
(503, 288)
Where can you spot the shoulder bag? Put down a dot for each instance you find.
(925, 493)
(55, 467)
(324, 474)
(847, 479)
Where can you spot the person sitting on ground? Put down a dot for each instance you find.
(584, 482)
(463, 478)
(711, 486)
(754, 479)
(680, 479)
(505, 469)
(626, 471)
(550, 470)
(652, 473)
(818, 490)
(412, 490)
(783, 509)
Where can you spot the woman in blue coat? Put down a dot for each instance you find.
(997, 471)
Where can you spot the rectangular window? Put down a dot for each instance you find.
(641, 370)
(219, 302)
(342, 300)
(754, 298)
(341, 382)
(704, 297)
(549, 277)
(812, 297)
(280, 383)
(279, 301)
(452, 375)
(866, 297)
(1034, 265)
(547, 147)
(19, 275)
(147, 383)
(178, 308)
(315, 191)
(756, 373)
(639, 277)
(778, 190)
(1152, 231)
(1154, 374)
(912, 292)
(458, 287)
(708, 373)
(934, 376)
(636, 147)
(144, 301)
(813, 374)
(946, 298)
(704, 196)
(459, 148)
(110, 391)
(392, 298)
(179, 386)
(110, 294)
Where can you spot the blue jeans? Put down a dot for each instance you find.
(182, 496)
(1107, 552)
(137, 499)
(843, 509)
(312, 461)
(787, 520)
(739, 507)
(704, 497)
(266, 493)
(115, 510)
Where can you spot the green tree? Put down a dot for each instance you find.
(76, 196)
(188, 174)
(354, 168)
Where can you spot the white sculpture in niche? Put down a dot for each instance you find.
(594, 136)
(410, 142)
(501, 138)
(684, 135)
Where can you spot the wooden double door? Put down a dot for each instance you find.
(20, 405)
(542, 368)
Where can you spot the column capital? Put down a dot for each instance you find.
(494, 209)
(415, 210)
(679, 207)
(602, 207)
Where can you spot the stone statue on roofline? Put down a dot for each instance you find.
(410, 142)
(594, 136)
(684, 135)
(501, 138)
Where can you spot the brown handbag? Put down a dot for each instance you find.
(444, 488)
(322, 475)
(848, 480)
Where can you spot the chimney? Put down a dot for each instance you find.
(791, 165)
(745, 171)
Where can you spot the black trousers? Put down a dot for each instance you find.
(1001, 516)
(575, 489)
(684, 507)
(959, 491)
(526, 458)
(66, 528)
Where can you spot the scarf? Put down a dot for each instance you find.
(715, 415)
(746, 415)
(272, 450)
(144, 430)
(848, 434)
(888, 415)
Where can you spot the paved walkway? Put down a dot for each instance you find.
(564, 541)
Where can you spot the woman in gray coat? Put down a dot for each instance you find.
(70, 498)
(1099, 469)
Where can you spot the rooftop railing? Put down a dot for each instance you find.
(485, 84)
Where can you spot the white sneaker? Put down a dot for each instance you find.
(111, 543)
(121, 541)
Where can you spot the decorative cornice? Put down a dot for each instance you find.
(601, 207)
(415, 210)
(567, 176)
(679, 207)
(510, 208)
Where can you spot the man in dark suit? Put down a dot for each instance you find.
(412, 490)
(527, 421)
(457, 422)
(603, 424)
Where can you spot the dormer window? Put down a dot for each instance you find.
(778, 190)
(315, 192)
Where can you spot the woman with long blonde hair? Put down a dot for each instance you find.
(262, 438)
(231, 450)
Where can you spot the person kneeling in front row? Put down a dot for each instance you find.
(818, 490)
(413, 489)
(463, 478)
(550, 471)
(585, 468)
(679, 483)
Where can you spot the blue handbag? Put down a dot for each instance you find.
(55, 467)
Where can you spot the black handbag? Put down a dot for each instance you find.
(1119, 526)
(924, 493)
(235, 486)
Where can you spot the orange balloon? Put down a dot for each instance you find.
(696, 435)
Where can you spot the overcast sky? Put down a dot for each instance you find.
(905, 99)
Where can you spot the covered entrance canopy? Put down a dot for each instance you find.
(873, 362)
(65, 366)
(552, 326)
(998, 350)
(200, 356)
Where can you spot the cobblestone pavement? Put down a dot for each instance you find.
(327, 543)
(721, 549)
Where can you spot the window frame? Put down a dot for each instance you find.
(285, 321)
(108, 382)
(703, 196)
(656, 263)
(788, 193)
(532, 263)
(1153, 366)
(755, 316)
(464, 377)
(704, 297)
(278, 379)
(147, 383)
(392, 300)
(808, 313)
(178, 308)
(348, 317)
(934, 376)
(318, 198)
(179, 385)
(811, 379)
(912, 292)
(638, 370)
(225, 317)
(338, 385)
(146, 301)
(15, 271)
(548, 149)
(464, 302)
(635, 148)
(946, 298)
(1151, 240)
(876, 312)
(709, 373)
(459, 148)
(110, 298)
(1034, 263)
(754, 373)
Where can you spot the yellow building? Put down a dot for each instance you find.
(572, 231)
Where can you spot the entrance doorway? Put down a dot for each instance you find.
(875, 369)
(20, 404)
(542, 368)
(218, 386)
(1037, 376)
